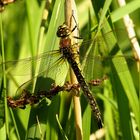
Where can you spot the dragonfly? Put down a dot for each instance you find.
(65, 43)
(50, 59)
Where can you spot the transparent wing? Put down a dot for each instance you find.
(49, 64)
(55, 74)
(106, 56)
(100, 54)
(102, 65)
(25, 66)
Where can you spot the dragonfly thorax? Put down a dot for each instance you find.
(65, 43)
(65, 47)
(63, 31)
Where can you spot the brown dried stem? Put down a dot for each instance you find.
(70, 10)
(131, 34)
(29, 98)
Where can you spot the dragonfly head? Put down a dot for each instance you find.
(63, 31)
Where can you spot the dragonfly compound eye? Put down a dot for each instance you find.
(63, 31)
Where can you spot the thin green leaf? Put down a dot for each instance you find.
(127, 9)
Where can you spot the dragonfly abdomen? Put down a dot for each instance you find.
(87, 93)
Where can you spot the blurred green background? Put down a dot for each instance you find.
(24, 35)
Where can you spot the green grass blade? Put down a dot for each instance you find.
(61, 129)
(127, 9)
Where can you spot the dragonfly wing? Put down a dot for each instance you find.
(98, 66)
(49, 64)
(25, 66)
(105, 53)
(55, 74)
